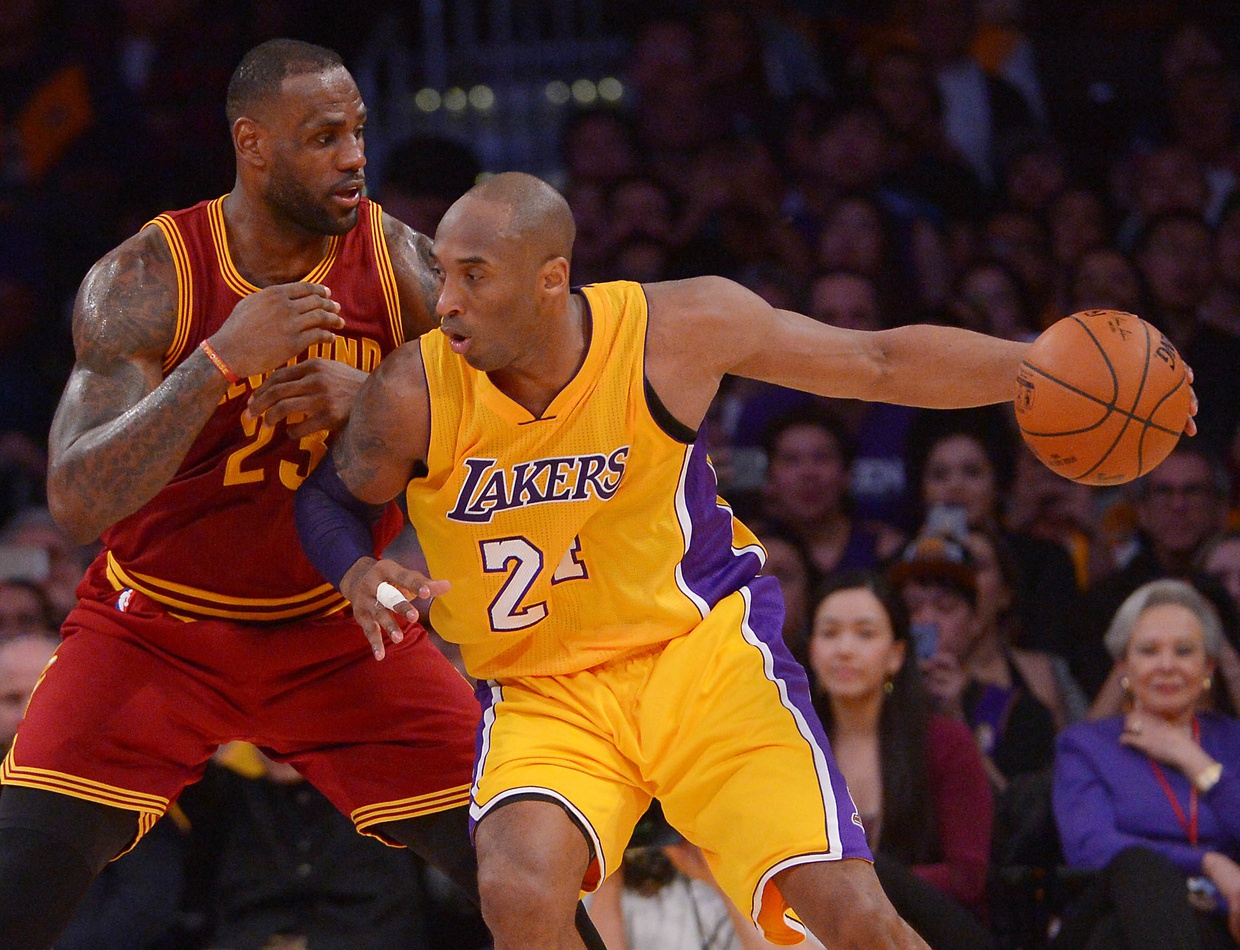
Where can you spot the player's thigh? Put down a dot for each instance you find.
(562, 740)
(117, 718)
(384, 740)
(743, 767)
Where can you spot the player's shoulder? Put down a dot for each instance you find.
(693, 291)
(140, 267)
(416, 280)
(693, 300)
(146, 249)
(402, 239)
(402, 370)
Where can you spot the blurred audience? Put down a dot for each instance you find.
(806, 490)
(425, 175)
(1179, 506)
(66, 560)
(963, 463)
(22, 659)
(1175, 255)
(24, 607)
(1220, 559)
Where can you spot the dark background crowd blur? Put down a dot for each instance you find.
(992, 164)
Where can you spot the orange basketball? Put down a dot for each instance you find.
(1102, 397)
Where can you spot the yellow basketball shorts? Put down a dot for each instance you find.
(717, 724)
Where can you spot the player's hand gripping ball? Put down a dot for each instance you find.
(1102, 397)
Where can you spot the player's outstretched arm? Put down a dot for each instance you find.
(122, 429)
(704, 328)
(371, 463)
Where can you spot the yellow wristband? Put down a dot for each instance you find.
(1208, 777)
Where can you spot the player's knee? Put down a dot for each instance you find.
(843, 903)
(96, 832)
(523, 888)
(42, 880)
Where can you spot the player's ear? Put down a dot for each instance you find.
(247, 140)
(553, 277)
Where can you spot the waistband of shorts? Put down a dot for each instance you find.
(193, 603)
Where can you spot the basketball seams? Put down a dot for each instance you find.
(1151, 424)
(1106, 358)
(1130, 415)
(1076, 391)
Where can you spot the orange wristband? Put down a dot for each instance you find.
(215, 358)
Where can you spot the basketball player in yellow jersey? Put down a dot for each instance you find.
(605, 598)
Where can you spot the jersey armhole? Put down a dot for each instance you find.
(185, 288)
(661, 415)
(387, 274)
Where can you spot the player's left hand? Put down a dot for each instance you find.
(312, 395)
(380, 592)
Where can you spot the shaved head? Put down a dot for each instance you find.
(538, 216)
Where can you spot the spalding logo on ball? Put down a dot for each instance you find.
(1102, 397)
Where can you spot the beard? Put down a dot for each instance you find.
(291, 200)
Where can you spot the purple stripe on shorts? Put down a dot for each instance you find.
(766, 619)
(486, 692)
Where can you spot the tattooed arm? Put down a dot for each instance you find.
(416, 283)
(122, 429)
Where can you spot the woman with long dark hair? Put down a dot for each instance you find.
(916, 777)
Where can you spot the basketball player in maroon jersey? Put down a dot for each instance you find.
(216, 350)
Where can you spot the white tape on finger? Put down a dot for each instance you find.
(388, 595)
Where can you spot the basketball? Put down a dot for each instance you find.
(1102, 397)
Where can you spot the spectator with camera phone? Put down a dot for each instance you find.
(1008, 697)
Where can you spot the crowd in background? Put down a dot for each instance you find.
(990, 164)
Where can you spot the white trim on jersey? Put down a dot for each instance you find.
(686, 529)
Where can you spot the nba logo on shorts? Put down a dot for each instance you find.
(122, 602)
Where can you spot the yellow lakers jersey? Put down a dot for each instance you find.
(572, 538)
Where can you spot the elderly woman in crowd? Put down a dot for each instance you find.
(1151, 798)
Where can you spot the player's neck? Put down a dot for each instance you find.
(552, 361)
(267, 251)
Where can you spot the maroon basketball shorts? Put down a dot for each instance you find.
(135, 702)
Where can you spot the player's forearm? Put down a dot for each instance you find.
(945, 367)
(334, 525)
(110, 470)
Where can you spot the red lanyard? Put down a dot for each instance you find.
(1188, 824)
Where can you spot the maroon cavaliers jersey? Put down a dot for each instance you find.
(219, 539)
